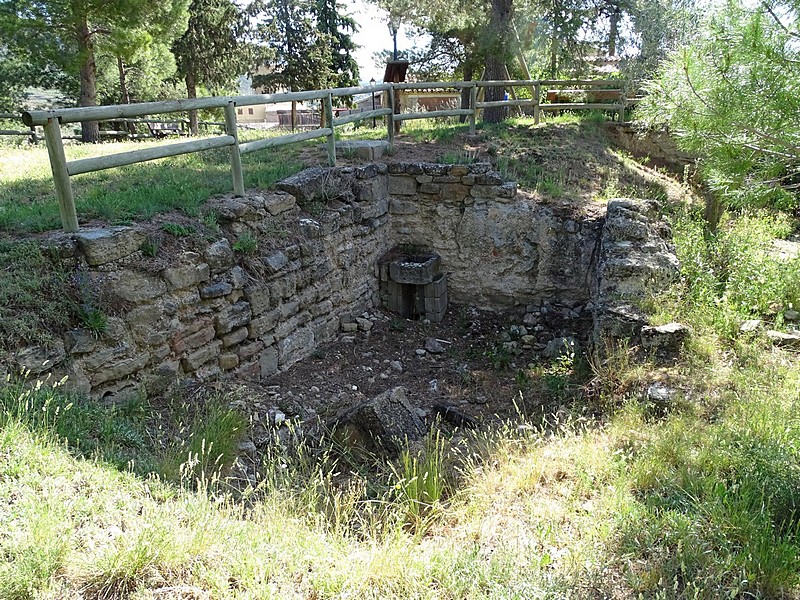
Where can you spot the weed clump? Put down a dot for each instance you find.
(35, 303)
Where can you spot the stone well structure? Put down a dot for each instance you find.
(209, 311)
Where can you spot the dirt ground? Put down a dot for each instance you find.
(471, 369)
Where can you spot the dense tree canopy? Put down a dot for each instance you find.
(305, 45)
(60, 39)
(212, 52)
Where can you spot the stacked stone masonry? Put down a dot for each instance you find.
(211, 311)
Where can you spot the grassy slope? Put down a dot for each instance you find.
(622, 497)
(27, 197)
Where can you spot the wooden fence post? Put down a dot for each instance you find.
(328, 101)
(473, 100)
(390, 116)
(236, 156)
(58, 165)
(622, 108)
(536, 98)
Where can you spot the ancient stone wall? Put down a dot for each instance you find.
(203, 312)
(217, 305)
(499, 247)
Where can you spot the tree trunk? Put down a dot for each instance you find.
(191, 92)
(90, 130)
(498, 52)
(125, 95)
(553, 71)
(613, 33)
(465, 92)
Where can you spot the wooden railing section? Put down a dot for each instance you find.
(62, 170)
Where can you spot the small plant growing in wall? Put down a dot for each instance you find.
(149, 247)
(246, 243)
(90, 317)
(177, 229)
(93, 319)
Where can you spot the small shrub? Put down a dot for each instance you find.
(36, 298)
(149, 247)
(93, 319)
(177, 229)
(210, 219)
(421, 480)
(246, 243)
(210, 448)
(499, 357)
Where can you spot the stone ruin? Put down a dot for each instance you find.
(407, 236)
(412, 286)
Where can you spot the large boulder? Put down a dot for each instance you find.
(386, 421)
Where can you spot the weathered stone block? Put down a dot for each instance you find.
(258, 297)
(268, 362)
(417, 270)
(219, 256)
(236, 315)
(228, 361)
(263, 324)
(279, 202)
(247, 351)
(39, 359)
(118, 368)
(101, 246)
(80, 341)
(199, 357)
(403, 207)
(289, 309)
(185, 276)
(250, 370)
(182, 342)
(237, 277)
(216, 290)
(387, 420)
(454, 192)
(325, 329)
(275, 262)
(785, 339)
(234, 337)
(134, 287)
(437, 288)
(665, 340)
(296, 346)
(435, 305)
(429, 188)
(402, 186)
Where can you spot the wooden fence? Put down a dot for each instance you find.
(62, 170)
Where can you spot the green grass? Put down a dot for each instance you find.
(35, 299)
(123, 194)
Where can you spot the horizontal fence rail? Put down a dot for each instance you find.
(610, 92)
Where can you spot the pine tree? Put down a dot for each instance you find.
(338, 28)
(63, 36)
(213, 52)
